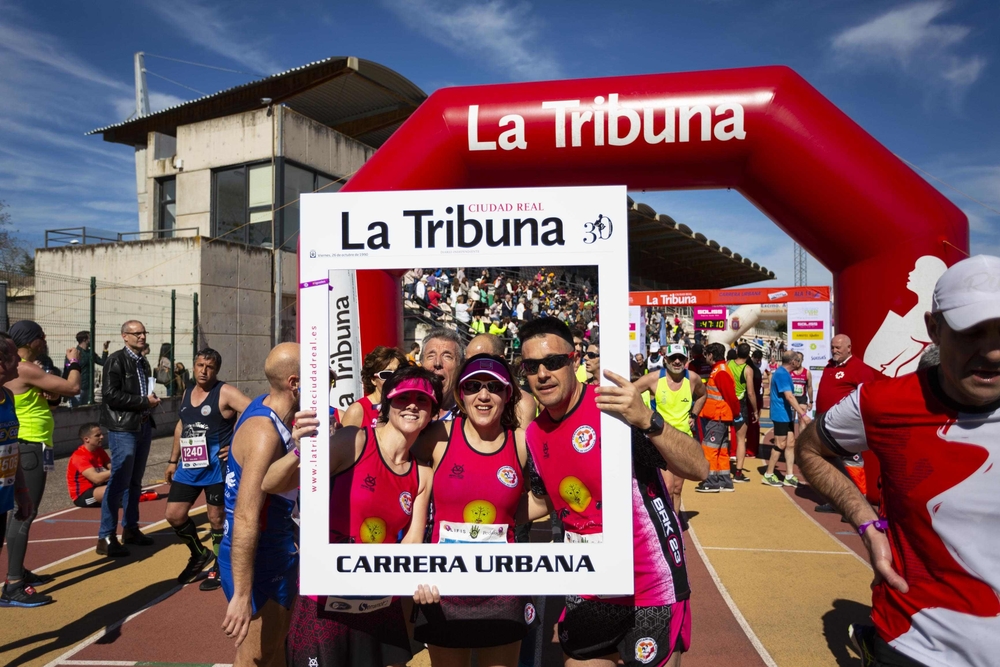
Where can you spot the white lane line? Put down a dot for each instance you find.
(734, 610)
(102, 663)
(61, 539)
(114, 626)
(778, 551)
(155, 526)
(831, 535)
(74, 508)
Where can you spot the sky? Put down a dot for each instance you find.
(913, 74)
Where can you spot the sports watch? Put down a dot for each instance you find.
(656, 425)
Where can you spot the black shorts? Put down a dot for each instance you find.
(641, 636)
(741, 419)
(320, 638)
(185, 493)
(783, 428)
(87, 499)
(474, 622)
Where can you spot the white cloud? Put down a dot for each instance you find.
(504, 36)
(910, 39)
(125, 106)
(204, 25)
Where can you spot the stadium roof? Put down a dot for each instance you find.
(359, 98)
(664, 254)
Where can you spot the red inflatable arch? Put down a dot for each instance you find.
(763, 131)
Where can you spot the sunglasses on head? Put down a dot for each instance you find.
(593, 355)
(385, 375)
(553, 362)
(475, 386)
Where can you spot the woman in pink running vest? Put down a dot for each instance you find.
(478, 462)
(378, 367)
(378, 494)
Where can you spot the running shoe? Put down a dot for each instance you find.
(212, 581)
(732, 459)
(727, 486)
(705, 487)
(110, 547)
(791, 480)
(771, 480)
(863, 639)
(825, 508)
(33, 579)
(194, 567)
(740, 476)
(22, 595)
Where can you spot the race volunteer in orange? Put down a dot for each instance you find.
(716, 420)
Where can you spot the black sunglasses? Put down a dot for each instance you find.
(385, 375)
(553, 362)
(475, 386)
(593, 355)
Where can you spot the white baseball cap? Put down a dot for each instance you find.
(654, 348)
(969, 292)
(676, 350)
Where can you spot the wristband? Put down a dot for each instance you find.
(881, 525)
(297, 454)
(73, 366)
(173, 463)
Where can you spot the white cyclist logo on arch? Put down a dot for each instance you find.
(897, 345)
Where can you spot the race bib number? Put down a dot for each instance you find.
(8, 464)
(356, 605)
(798, 390)
(478, 533)
(194, 452)
(592, 538)
(48, 459)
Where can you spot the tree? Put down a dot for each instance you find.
(13, 256)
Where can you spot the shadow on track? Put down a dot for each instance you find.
(835, 624)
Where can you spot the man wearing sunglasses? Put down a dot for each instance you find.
(564, 445)
(125, 412)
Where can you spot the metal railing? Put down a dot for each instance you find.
(85, 235)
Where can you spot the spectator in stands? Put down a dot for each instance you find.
(89, 468)
(414, 356)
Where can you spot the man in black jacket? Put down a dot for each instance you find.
(128, 401)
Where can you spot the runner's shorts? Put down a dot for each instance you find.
(783, 428)
(185, 493)
(87, 499)
(474, 622)
(320, 638)
(642, 636)
(282, 587)
(741, 418)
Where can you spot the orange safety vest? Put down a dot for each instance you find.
(715, 407)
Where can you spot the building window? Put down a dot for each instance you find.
(299, 181)
(165, 218)
(243, 201)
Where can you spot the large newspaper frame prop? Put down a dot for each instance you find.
(349, 231)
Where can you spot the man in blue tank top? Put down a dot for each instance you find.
(198, 461)
(258, 557)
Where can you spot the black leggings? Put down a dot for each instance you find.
(17, 531)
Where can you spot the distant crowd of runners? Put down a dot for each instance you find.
(460, 445)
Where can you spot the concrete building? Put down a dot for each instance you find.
(217, 185)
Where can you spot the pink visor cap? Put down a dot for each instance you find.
(489, 367)
(968, 293)
(413, 384)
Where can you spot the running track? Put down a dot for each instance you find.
(773, 584)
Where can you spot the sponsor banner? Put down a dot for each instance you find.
(809, 332)
(399, 230)
(636, 331)
(730, 297)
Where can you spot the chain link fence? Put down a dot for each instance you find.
(66, 305)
